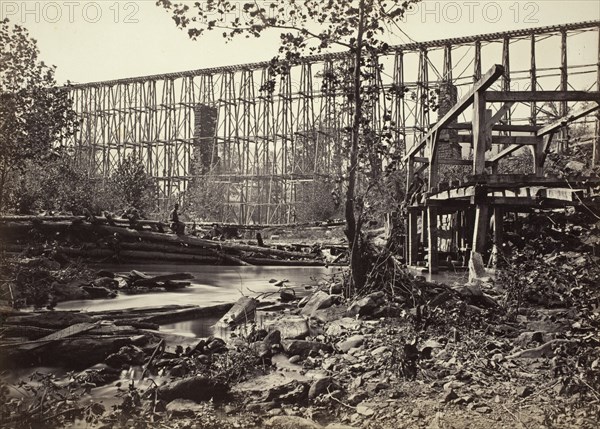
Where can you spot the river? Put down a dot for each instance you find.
(210, 285)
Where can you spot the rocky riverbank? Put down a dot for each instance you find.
(460, 360)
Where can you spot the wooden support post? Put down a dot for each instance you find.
(481, 227)
(413, 238)
(498, 228)
(533, 79)
(432, 218)
(564, 133)
(424, 227)
(479, 132)
(596, 142)
(539, 156)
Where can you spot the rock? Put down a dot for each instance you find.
(287, 295)
(291, 422)
(183, 408)
(356, 398)
(295, 359)
(416, 413)
(318, 387)
(99, 292)
(336, 289)
(525, 338)
(367, 305)
(379, 350)
(318, 300)
(104, 273)
(291, 392)
(352, 342)
(128, 355)
(215, 345)
(273, 338)
(483, 409)
(289, 326)
(338, 327)
(524, 391)
(449, 396)
(304, 348)
(70, 291)
(327, 315)
(261, 407)
(365, 409)
(197, 388)
(106, 282)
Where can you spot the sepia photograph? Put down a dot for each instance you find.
(299, 214)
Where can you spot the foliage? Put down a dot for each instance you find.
(34, 112)
(134, 186)
(205, 198)
(313, 27)
(33, 280)
(56, 183)
(317, 201)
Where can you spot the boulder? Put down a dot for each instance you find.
(106, 282)
(350, 343)
(289, 326)
(345, 324)
(127, 355)
(291, 422)
(304, 348)
(367, 306)
(318, 300)
(319, 387)
(197, 388)
(99, 292)
(182, 408)
(330, 314)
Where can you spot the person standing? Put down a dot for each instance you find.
(177, 226)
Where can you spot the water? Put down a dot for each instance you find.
(211, 285)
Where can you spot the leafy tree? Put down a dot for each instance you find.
(134, 186)
(308, 27)
(34, 112)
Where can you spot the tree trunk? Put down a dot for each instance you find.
(3, 175)
(352, 229)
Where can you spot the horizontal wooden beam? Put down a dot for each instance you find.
(573, 116)
(481, 85)
(447, 161)
(504, 140)
(497, 127)
(525, 96)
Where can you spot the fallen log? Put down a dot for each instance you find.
(140, 236)
(73, 330)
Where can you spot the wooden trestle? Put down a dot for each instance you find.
(485, 195)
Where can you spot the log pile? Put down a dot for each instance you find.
(111, 240)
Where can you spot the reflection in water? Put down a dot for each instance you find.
(210, 286)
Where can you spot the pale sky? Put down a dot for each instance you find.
(108, 39)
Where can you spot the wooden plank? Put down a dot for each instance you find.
(506, 96)
(565, 120)
(432, 218)
(503, 140)
(484, 83)
(481, 227)
(496, 127)
(499, 114)
(479, 133)
(72, 330)
(413, 238)
(445, 161)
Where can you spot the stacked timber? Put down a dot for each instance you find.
(104, 239)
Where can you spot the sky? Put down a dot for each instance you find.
(91, 41)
